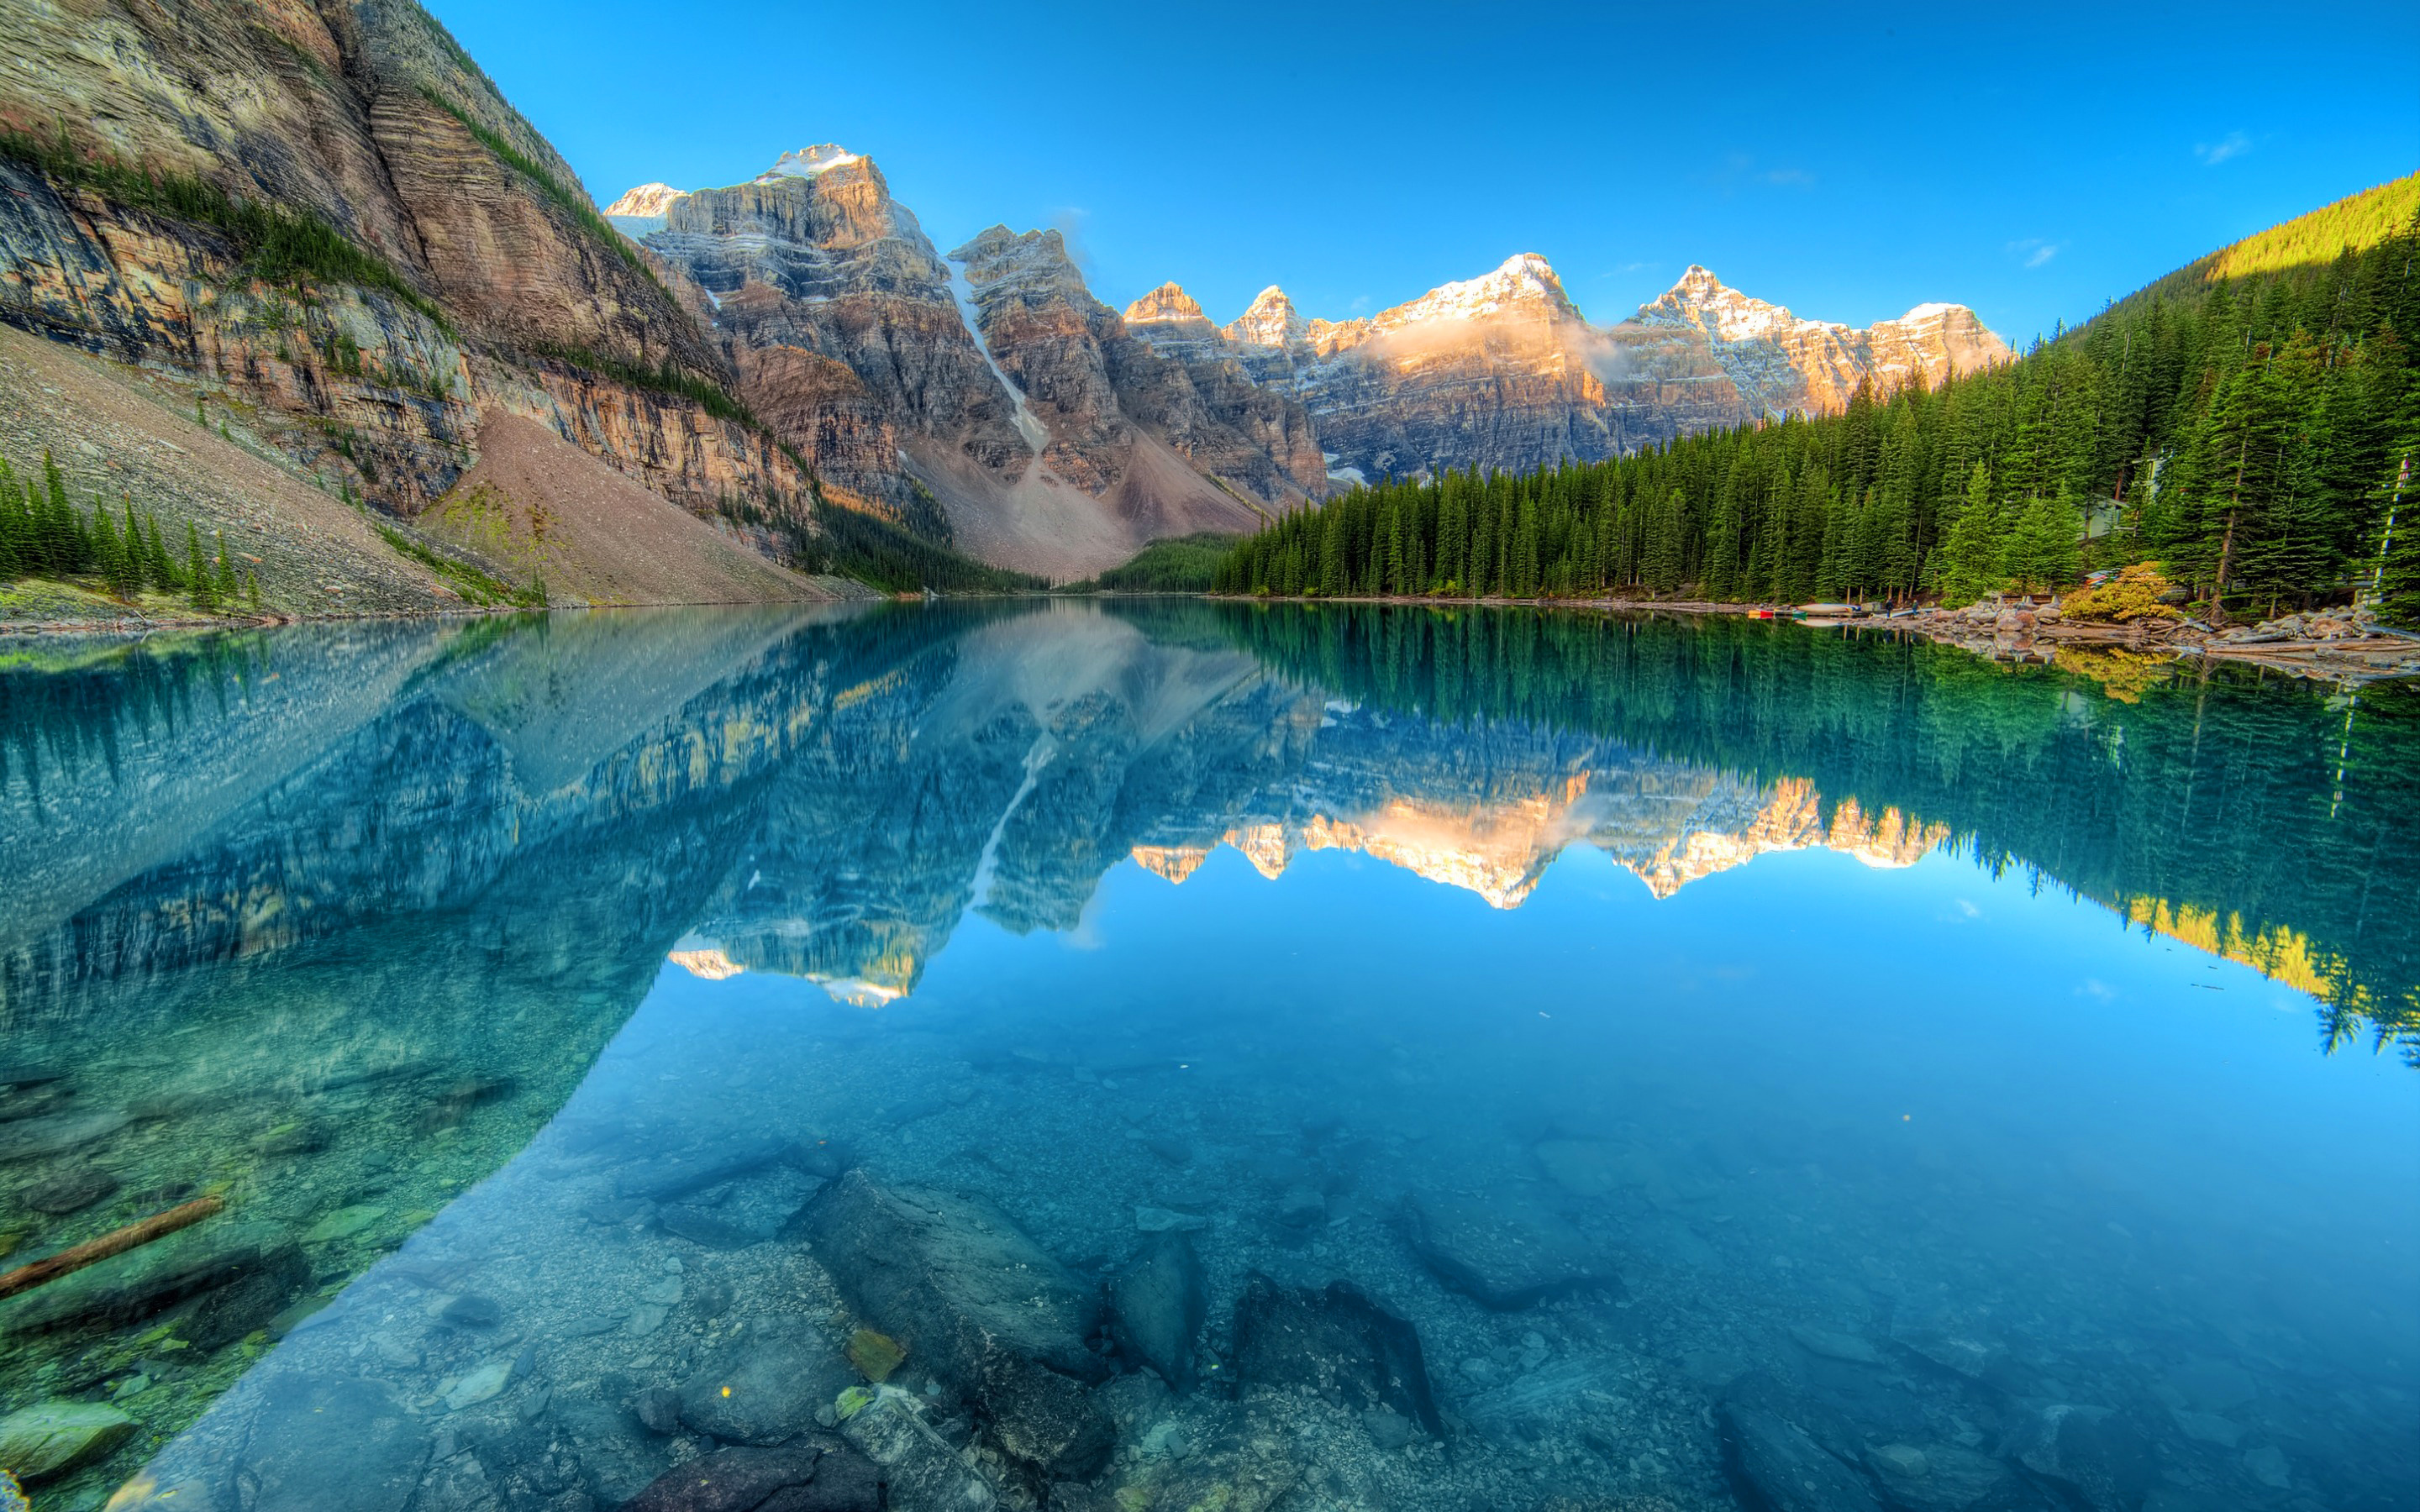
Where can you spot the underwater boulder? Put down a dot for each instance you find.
(1338, 1342)
(763, 1388)
(1775, 1465)
(979, 1305)
(1157, 1306)
(1506, 1252)
(817, 1474)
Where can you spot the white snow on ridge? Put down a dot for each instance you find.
(1525, 278)
(807, 162)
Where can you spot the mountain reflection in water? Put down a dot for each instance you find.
(334, 922)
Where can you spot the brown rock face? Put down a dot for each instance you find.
(1051, 438)
(333, 112)
(1503, 372)
(1781, 364)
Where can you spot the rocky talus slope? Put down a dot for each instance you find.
(327, 217)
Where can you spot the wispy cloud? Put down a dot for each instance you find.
(2233, 144)
(1739, 168)
(1069, 222)
(2034, 252)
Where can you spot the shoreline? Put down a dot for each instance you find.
(2380, 656)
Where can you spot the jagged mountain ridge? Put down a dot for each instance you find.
(986, 396)
(1059, 435)
(1504, 372)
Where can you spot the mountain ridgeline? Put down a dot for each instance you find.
(2252, 432)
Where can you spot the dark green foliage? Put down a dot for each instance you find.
(1181, 564)
(276, 243)
(850, 543)
(476, 587)
(2247, 434)
(709, 395)
(2174, 794)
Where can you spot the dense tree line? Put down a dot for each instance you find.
(2254, 435)
(2212, 790)
(43, 535)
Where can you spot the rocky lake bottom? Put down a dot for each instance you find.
(1051, 1062)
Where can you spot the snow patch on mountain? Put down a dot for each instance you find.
(809, 163)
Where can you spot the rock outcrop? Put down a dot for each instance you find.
(466, 271)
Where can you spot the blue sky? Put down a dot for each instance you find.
(1849, 168)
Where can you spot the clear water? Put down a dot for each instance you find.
(1906, 1081)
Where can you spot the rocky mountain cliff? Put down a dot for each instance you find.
(327, 219)
(998, 403)
(1503, 372)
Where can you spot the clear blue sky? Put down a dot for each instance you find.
(2030, 162)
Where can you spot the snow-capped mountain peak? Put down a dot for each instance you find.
(1168, 302)
(1524, 280)
(647, 199)
(1271, 321)
(808, 162)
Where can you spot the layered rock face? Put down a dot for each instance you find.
(839, 318)
(367, 117)
(1047, 434)
(1780, 363)
(1503, 372)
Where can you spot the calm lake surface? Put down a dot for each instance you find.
(1205, 1058)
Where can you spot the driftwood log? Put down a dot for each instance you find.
(133, 1236)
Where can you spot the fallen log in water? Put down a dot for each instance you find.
(133, 1236)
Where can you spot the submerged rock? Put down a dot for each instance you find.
(1773, 1463)
(978, 1303)
(321, 1442)
(50, 1437)
(1505, 1254)
(1339, 1343)
(2100, 1457)
(764, 1389)
(921, 1472)
(1939, 1477)
(1157, 1306)
(821, 1475)
(55, 1134)
(66, 1189)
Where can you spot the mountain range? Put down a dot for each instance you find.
(323, 225)
(1058, 435)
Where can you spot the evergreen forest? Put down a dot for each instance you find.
(2250, 431)
(43, 535)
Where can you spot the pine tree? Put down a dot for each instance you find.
(1970, 558)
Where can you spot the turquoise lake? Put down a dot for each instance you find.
(1164, 1056)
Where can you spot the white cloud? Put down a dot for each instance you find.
(2034, 250)
(2233, 144)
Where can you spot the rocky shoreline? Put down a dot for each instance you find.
(2345, 647)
